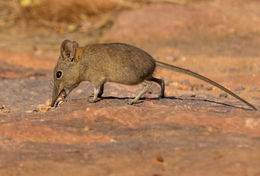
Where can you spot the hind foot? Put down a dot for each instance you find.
(131, 101)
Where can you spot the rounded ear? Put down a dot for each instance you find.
(68, 49)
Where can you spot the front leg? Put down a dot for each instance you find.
(100, 93)
(95, 96)
(98, 89)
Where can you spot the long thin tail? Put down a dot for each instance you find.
(196, 75)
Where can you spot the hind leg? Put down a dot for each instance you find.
(101, 90)
(146, 86)
(161, 83)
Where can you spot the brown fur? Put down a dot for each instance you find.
(114, 62)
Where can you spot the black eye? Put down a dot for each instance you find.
(58, 74)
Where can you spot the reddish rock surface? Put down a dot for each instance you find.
(206, 28)
(193, 131)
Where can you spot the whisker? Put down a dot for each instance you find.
(51, 84)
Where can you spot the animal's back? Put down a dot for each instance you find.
(118, 62)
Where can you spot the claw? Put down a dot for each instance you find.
(59, 101)
(92, 100)
(131, 101)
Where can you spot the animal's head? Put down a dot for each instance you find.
(66, 73)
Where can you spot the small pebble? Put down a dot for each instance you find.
(234, 70)
(160, 159)
(172, 58)
(254, 90)
(86, 128)
(196, 86)
(239, 88)
(31, 111)
(3, 109)
(43, 108)
(186, 82)
(113, 140)
(223, 95)
(209, 88)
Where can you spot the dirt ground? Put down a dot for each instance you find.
(196, 130)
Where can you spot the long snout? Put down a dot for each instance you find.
(55, 95)
(53, 101)
(58, 96)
